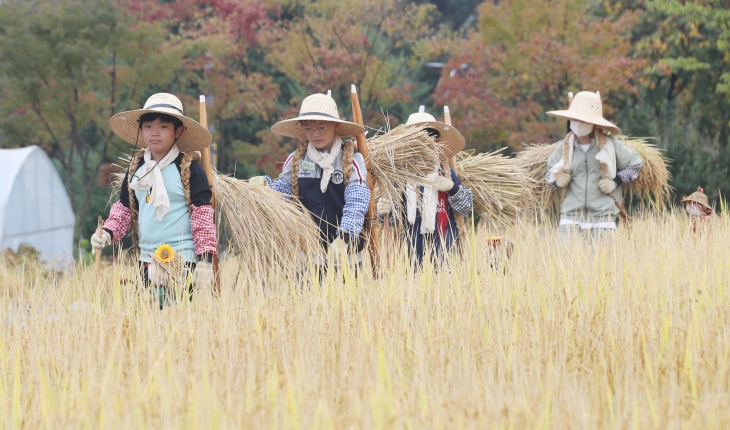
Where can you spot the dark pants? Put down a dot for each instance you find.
(164, 295)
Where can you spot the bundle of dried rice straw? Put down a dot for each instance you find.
(269, 230)
(652, 186)
(401, 156)
(502, 190)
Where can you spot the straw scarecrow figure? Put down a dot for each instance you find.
(165, 197)
(589, 165)
(430, 211)
(698, 207)
(326, 174)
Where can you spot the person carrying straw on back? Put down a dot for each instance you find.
(326, 173)
(165, 198)
(432, 223)
(589, 166)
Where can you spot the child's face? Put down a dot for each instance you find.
(159, 136)
(321, 134)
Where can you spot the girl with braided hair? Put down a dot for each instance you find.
(165, 197)
(326, 173)
(589, 165)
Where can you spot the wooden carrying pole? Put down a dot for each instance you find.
(97, 251)
(370, 217)
(452, 163)
(208, 167)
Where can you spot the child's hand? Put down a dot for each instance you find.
(444, 184)
(384, 206)
(259, 181)
(607, 185)
(203, 276)
(99, 241)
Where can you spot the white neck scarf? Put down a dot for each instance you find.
(325, 161)
(153, 182)
(430, 204)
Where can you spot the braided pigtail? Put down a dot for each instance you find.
(298, 155)
(133, 209)
(601, 139)
(348, 153)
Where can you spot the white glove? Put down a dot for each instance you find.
(444, 184)
(259, 181)
(338, 247)
(607, 185)
(384, 206)
(203, 276)
(156, 274)
(99, 241)
(562, 178)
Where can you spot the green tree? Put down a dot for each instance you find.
(66, 67)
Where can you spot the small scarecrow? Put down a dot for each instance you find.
(165, 198)
(432, 221)
(326, 174)
(589, 165)
(698, 207)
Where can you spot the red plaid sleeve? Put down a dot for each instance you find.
(203, 228)
(119, 221)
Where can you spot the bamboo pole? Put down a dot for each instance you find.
(452, 163)
(97, 251)
(370, 217)
(208, 167)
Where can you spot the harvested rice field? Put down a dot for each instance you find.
(633, 332)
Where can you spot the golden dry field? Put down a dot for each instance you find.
(632, 334)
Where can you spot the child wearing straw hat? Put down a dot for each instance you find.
(326, 173)
(432, 224)
(165, 197)
(590, 165)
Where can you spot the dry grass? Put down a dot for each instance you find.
(635, 334)
(503, 190)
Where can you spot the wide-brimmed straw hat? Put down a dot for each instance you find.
(587, 107)
(698, 197)
(317, 107)
(126, 124)
(451, 140)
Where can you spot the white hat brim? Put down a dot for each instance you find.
(452, 142)
(126, 125)
(292, 128)
(586, 117)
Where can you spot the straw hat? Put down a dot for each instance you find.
(451, 140)
(126, 124)
(698, 197)
(587, 107)
(317, 107)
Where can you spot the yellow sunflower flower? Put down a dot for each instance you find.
(164, 253)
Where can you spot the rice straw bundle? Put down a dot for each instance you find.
(400, 156)
(270, 231)
(533, 160)
(502, 190)
(652, 185)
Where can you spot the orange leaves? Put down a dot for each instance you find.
(522, 62)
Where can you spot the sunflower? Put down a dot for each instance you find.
(164, 253)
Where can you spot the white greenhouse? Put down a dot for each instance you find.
(34, 206)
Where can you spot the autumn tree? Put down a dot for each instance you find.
(66, 67)
(522, 61)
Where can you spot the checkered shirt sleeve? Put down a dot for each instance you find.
(462, 202)
(202, 227)
(119, 221)
(629, 174)
(279, 185)
(357, 200)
